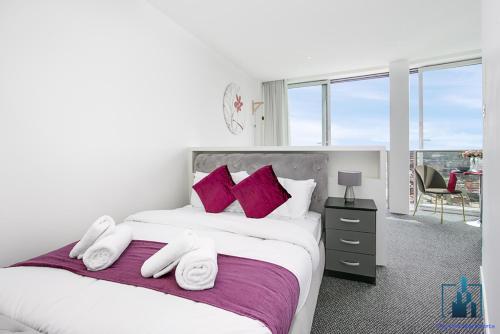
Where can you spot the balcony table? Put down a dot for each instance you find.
(477, 222)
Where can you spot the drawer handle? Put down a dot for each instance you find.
(350, 242)
(350, 264)
(345, 220)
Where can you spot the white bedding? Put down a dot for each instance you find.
(311, 222)
(58, 301)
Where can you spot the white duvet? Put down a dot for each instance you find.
(57, 301)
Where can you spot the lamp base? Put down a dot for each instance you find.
(349, 194)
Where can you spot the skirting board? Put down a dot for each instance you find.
(485, 307)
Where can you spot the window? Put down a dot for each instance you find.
(446, 119)
(452, 103)
(445, 109)
(414, 112)
(360, 111)
(306, 111)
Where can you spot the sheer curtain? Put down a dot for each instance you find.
(275, 113)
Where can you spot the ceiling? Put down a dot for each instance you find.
(276, 39)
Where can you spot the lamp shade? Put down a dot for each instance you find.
(347, 178)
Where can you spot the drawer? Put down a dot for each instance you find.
(353, 263)
(348, 241)
(350, 220)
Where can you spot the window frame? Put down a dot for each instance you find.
(421, 70)
(378, 75)
(325, 112)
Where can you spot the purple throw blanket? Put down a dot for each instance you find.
(255, 289)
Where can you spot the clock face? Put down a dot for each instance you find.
(233, 109)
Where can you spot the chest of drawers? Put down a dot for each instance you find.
(351, 239)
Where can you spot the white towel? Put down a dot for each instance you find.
(101, 227)
(197, 270)
(108, 249)
(164, 260)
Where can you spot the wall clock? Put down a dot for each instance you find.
(233, 109)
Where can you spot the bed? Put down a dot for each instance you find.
(51, 300)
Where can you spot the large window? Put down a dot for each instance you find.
(360, 111)
(452, 102)
(445, 109)
(307, 110)
(340, 112)
(445, 120)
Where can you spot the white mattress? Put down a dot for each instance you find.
(58, 301)
(311, 222)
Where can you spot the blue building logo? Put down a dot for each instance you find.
(462, 300)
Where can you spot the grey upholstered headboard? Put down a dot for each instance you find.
(298, 166)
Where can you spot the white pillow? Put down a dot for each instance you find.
(237, 178)
(298, 205)
(196, 201)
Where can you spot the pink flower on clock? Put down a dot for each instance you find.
(238, 104)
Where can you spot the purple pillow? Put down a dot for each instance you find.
(215, 190)
(260, 193)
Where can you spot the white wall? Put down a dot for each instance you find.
(491, 184)
(399, 155)
(99, 100)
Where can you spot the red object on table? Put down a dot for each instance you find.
(474, 172)
(452, 181)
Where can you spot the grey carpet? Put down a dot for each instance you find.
(407, 298)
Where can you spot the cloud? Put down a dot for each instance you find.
(352, 91)
(305, 132)
(366, 95)
(456, 135)
(361, 132)
(464, 101)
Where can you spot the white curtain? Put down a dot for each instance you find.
(275, 113)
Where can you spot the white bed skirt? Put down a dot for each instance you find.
(302, 322)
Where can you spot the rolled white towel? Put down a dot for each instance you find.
(101, 227)
(107, 250)
(164, 260)
(197, 270)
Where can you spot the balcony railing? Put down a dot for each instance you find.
(444, 161)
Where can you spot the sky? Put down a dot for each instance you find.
(360, 111)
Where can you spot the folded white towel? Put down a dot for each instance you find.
(108, 249)
(197, 270)
(164, 260)
(101, 227)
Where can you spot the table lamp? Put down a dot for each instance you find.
(350, 180)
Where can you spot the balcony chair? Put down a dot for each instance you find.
(430, 182)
